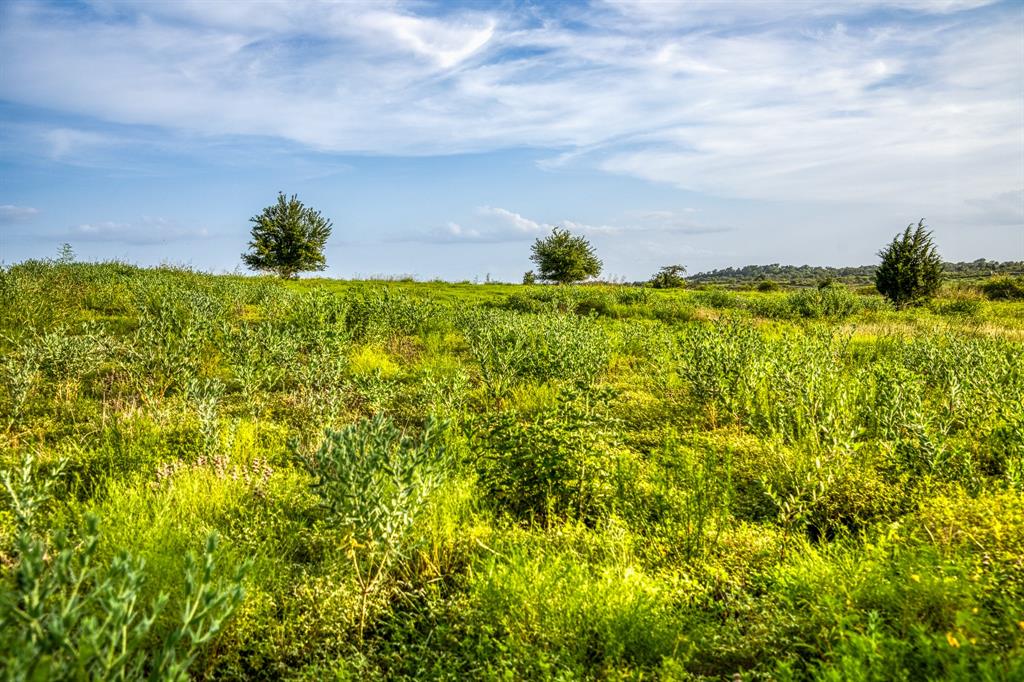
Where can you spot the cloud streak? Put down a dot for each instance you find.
(17, 214)
(144, 232)
(491, 224)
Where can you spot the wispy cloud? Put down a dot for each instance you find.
(492, 224)
(68, 142)
(510, 219)
(17, 214)
(488, 224)
(146, 231)
(908, 102)
(1006, 208)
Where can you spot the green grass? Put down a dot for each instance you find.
(463, 481)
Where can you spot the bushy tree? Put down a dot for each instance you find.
(288, 238)
(911, 269)
(529, 277)
(669, 277)
(564, 257)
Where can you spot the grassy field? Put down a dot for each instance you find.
(222, 477)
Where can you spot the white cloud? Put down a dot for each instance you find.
(772, 101)
(456, 231)
(17, 214)
(716, 12)
(65, 143)
(517, 222)
(145, 231)
(445, 44)
(491, 224)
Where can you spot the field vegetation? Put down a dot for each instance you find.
(224, 477)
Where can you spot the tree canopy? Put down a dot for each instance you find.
(564, 257)
(669, 277)
(911, 269)
(287, 238)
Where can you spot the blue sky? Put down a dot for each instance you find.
(443, 138)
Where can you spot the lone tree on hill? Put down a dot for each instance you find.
(669, 277)
(288, 238)
(911, 269)
(564, 258)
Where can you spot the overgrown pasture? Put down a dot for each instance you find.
(220, 477)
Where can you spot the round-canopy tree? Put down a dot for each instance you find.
(564, 258)
(287, 238)
(911, 268)
(669, 277)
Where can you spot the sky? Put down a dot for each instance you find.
(442, 139)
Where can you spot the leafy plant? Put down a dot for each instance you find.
(833, 300)
(555, 464)
(963, 303)
(375, 480)
(510, 347)
(64, 615)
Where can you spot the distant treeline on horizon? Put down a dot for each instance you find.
(862, 274)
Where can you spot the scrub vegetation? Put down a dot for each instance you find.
(221, 477)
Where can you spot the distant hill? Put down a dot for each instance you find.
(863, 274)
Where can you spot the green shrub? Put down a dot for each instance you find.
(65, 615)
(596, 303)
(380, 313)
(772, 307)
(717, 298)
(832, 301)
(633, 295)
(374, 481)
(510, 347)
(672, 312)
(557, 614)
(716, 362)
(689, 498)
(963, 303)
(1004, 288)
(556, 463)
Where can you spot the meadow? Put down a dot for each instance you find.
(225, 477)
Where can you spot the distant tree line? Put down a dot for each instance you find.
(289, 237)
(864, 274)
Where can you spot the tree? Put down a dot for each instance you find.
(529, 277)
(669, 277)
(911, 269)
(287, 238)
(65, 254)
(564, 257)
